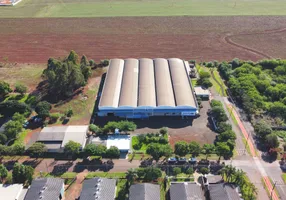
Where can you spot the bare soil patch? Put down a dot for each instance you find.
(200, 38)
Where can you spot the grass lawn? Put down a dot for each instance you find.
(232, 115)
(22, 136)
(121, 191)
(218, 78)
(194, 82)
(284, 177)
(106, 174)
(102, 8)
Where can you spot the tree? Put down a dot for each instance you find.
(3, 138)
(12, 128)
(222, 149)
(271, 141)
(112, 152)
(19, 117)
(69, 112)
(190, 171)
(21, 88)
(43, 109)
(204, 170)
(17, 149)
(215, 103)
(177, 170)
(218, 114)
(72, 148)
(204, 75)
(223, 126)
(227, 135)
(94, 129)
(228, 172)
(37, 149)
(208, 149)
(3, 172)
(8, 108)
(206, 83)
(64, 77)
(131, 176)
(22, 173)
(94, 150)
(163, 130)
(194, 148)
(181, 148)
(126, 126)
(3, 150)
(158, 150)
(86, 71)
(73, 57)
(262, 129)
(4, 88)
(152, 173)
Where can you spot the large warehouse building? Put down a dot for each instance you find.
(142, 88)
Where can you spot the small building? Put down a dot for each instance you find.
(56, 137)
(98, 188)
(186, 191)
(202, 93)
(12, 192)
(223, 191)
(144, 191)
(122, 142)
(46, 189)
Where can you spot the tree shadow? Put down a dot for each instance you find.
(61, 168)
(10, 164)
(33, 163)
(270, 158)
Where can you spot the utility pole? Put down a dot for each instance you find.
(273, 189)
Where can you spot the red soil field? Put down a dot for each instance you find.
(200, 38)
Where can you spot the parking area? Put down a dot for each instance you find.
(198, 129)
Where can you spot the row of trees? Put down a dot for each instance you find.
(20, 174)
(66, 76)
(101, 150)
(110, 127)
(225, 141)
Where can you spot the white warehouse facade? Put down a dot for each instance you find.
(140, 88)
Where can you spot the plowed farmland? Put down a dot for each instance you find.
(200, 38)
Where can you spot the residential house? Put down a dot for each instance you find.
(144, 191)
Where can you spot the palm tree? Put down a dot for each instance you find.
(239, 177)
(131, 175)
(228, 171)
(253, 190)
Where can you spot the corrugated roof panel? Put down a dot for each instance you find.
(181, 83)
(129, 87)
(112, 85)
(147, 93)
(164, 90)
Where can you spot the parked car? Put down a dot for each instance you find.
(172, 160)
(182, 160)
(192, 161)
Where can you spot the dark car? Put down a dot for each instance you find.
(172, 160)
(192, 161)
(182, 160)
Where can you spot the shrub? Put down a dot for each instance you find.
(112, 152)
(177, 170)
(204, 170)
(43, 109)
(104, 63)
(190, 171)
(95, 129)
(21, 88)
(163, 130)
(54, 117)
(163, 140)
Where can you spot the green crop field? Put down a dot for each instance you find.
(110, 8)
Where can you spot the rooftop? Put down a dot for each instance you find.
(223, 191)
(45, 189)
(122, 142)
(201, 91)
(57, 136)
(144, 191)
(102, 188)
(145, 82)
(186, 191)
(11, 192)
